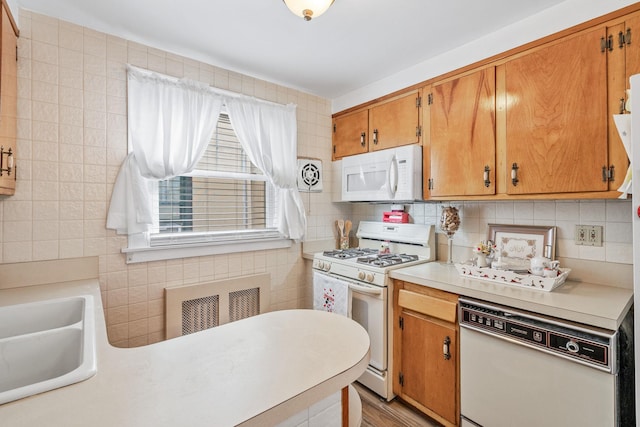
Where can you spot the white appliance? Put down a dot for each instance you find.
(365, 271)
(528, 370)
(394, 174)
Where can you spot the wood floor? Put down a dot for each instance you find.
(376, 412)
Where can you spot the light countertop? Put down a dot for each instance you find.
(591, 304)
(256, 371)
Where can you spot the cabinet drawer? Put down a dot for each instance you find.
(430, 306)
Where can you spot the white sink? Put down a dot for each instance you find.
(46, 345)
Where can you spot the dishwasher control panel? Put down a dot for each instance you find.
(591, 346)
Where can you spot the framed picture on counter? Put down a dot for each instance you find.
(517, 244)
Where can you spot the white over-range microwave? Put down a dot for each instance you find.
(394, 174)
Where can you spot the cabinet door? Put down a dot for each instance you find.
(623, 61)
(395, 123)
(350, 134)
(8, 101)
(616, 78)
(463, 135)
(556, 118)
(429, 377)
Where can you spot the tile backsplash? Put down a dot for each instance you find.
(613, 215)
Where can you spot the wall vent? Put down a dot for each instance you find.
(193, 308)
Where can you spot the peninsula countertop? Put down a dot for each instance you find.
(588, 303)
(256, 371)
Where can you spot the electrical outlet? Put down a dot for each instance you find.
(588, 235)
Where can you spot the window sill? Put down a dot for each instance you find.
(161, 253)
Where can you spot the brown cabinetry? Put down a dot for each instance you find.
(387, 124)
(350, 134)
(462, 126)
(623, 60)
(8, 102)
(395, 122)
(426, 351)
(556, 117)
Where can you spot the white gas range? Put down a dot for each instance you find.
(365, 270)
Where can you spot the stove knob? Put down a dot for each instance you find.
(573, 346)
(369, 277)
(327, 266)
(361, 275)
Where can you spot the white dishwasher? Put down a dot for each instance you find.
(523, 369)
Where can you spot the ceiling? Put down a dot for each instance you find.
(355, 43)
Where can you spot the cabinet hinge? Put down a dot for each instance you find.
(606, 43)
(334, 128)
(334, 149)
(418, 130)
(401, 379)
(16, 53)
(419, 102)
(627, 36)
(401, 322)
(430, 99)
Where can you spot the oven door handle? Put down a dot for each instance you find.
(364, 289)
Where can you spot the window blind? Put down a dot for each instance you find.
(224, 197)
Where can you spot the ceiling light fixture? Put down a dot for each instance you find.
(308, 9)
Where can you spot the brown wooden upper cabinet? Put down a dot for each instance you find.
(623, 60)
(462, 135)
(8, 102)
(395, 122)
(350, 134)
(556, 117)
(388, 124)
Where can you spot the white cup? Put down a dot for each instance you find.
(538, 264)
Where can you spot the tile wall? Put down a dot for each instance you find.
(71, 140)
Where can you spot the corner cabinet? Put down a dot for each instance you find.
(556, 117)
(8, 102)
(387, 124)
(462, 135)
(426, 360)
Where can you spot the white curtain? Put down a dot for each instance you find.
(170, 125)
(268, 134)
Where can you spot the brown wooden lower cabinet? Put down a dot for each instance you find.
(426, 351)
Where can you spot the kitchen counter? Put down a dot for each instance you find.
(254, 372)
(591, 304)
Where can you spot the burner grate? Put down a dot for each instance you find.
(386, 260)
(349, 253)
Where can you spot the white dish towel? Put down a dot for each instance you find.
(331, 294)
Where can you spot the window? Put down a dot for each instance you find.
(224, 198)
